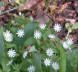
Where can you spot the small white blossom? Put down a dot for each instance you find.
(55, 66)
(20, 13)
(52, 36)
(69, 41)
(47, 62)
(65, 45)
(37, 34)
(9, 62)
(20, 33)
(49, 52)
(11, 53)
(25, 54)
(31, 68)
(57, 27)
(8, 36)
(42, 26)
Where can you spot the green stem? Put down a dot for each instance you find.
(62, 60)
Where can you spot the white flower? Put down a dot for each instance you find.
(20, 33)
(57, 27)
(9, 62)
(49, 52)
(11, 53)
(42, 26)
(8, 36)
(31, 68)
(47, 62)
(37, 34)
(20, 13)
(69, 41)
(51, 36)
(55, 66)
(25, 54)
(65, 45)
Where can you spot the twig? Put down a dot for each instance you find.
(7, 11)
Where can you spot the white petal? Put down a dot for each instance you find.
(47, 62)
(55, 66)
(37, 34)
(57, 27)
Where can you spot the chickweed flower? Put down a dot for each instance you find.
(55, 66)
(49, 52)
(8, 36)
(67, 43)
(11, 53)
(57, 27)
(20, 33)
(31, 68)
(37, 34)
(47, 62)
(42, 26)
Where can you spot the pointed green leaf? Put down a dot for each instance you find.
(37, 62)
(1, 47)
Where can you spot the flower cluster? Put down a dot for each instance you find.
(8, 35)
(48, 61)
(41, 46)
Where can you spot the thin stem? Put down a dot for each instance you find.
(62, 60)
(7, 11)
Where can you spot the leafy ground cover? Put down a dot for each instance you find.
(38, 35)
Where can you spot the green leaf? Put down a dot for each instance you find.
(29, 41)
(1, 47)
(37, 62)
(29, 31)
(75, 26)
(20, 20)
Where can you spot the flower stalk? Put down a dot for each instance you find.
(62, 60)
